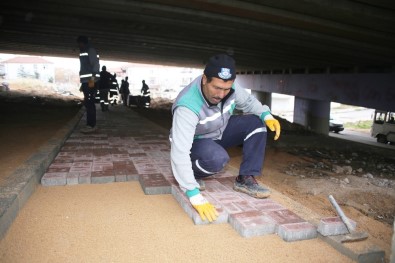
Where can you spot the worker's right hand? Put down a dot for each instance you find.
(273, 125)
(204, 208)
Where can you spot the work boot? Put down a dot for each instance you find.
(248, 185)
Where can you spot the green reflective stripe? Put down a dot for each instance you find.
(193, 192)
(264, 114)
(192, 100)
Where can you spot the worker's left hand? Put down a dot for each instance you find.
(204, 208)
(273, 125)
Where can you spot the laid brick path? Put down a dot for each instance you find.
(127, 147)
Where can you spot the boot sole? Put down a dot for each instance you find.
(246, 191)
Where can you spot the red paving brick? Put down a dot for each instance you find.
(141, 152)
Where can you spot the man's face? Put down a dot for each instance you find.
(216, 89)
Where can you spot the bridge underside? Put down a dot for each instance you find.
(262, 35)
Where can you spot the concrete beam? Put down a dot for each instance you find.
(371, 90)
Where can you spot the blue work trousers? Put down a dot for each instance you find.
(210, 156)
(89, 103)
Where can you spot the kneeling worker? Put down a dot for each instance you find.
(203, 128)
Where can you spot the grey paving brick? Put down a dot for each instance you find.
(252, 223)
(297, 231)
(331, 226)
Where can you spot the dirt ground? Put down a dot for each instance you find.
(308, 168)
(303, 166)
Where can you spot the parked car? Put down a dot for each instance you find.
(335, 125)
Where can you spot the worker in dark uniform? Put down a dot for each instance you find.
(114, 90)
(104, 88)
(146, 95)
(124, 90)
(89, 78)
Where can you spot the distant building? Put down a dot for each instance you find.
(28, 67)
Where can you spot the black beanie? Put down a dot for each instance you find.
(221, 66)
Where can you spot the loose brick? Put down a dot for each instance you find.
(154, 184)
(192, 213)
(297, 231)
(252, 223)
(283, 217)
(332, 226)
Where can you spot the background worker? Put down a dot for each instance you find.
(203, 128)
(124, 90)
(146, 95)
(89, 78)
(114, 90)
(104, 88)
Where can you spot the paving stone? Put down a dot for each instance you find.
(146, 169)
(192, 213)
(58, 170)
(133, 177)
(228, 182)
(215, 186)
(120, 177)
(225, 197)
(283, 217)
(297, 231)
(51, 179)
(61, 165)
(238, 207)
(252, 223)
(102, 177)
(269, 205)
(72, 178)
(154, 184)
(331, 226)
(84, 178)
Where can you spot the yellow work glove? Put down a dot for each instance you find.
(203, 207)
(273, 125)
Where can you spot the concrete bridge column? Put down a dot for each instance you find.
(312, 114)
(264, 97)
